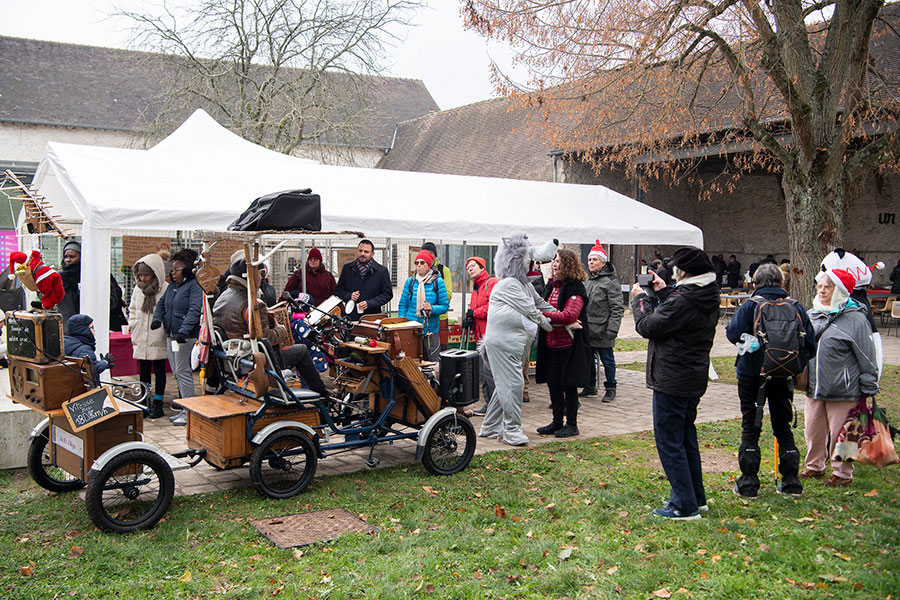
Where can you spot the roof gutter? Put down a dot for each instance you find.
(70, 125)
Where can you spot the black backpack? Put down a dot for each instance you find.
(779, 328)
(282, 211)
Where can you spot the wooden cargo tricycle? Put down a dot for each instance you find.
(260, 413)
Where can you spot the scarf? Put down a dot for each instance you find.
(363, 268)
(149, 289)
(420, 291)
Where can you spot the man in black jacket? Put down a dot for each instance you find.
(680, 324)
(365, 282)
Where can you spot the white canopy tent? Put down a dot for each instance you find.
(202, 176)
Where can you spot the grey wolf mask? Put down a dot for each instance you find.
(516, 253)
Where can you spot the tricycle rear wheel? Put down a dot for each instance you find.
(283, 464)
(43, 472)
(132, 491)
(450, 445)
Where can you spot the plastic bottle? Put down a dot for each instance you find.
(748, 343)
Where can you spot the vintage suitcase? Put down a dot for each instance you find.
(291, 209)
(34, 336)
(402, 334)
(45, 387)
(75, 452)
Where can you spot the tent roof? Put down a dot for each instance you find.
(202, 176)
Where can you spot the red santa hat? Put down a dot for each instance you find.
(842, 278)
(598, 250)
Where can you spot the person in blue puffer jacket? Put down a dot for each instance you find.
(178, 313)
(424, 299)
(80, 342)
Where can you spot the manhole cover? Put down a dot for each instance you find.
(311, 527)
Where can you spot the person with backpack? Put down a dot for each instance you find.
(424, 299)
(787, 337)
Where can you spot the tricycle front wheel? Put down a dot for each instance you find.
(283, 464)
(133, 491)
(43, 472)
(450, 445)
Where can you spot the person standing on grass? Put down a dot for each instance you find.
(681, 325)
(779, 391)
(604, 312)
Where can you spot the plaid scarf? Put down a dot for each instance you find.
(363, 268)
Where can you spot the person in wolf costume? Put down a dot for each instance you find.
(514, 315)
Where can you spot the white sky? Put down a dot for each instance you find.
(453, 63)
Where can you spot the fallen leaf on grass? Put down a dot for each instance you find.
(499, 511)
(564, 553)
(715, 558)
(681, 590)
(489, 530)
(833, 578)
(27, 571)
(186, 578)
(76, 551)
(298, 553)
(623, 514)
(477, 575)
(764, 547)
(843, 556)
(662, 593)
(529, 534)
(871, 493)
(429, 589)
(73, 533)
(804, 519)
(431, 491)
(550, 506)
(612, 570)
(702, 551)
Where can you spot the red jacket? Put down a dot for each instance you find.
(320, 284)
(481, 291)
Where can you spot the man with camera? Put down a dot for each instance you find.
(681, 325)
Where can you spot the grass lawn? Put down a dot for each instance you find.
(562, 520)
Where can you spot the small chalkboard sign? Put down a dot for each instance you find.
(90, 408)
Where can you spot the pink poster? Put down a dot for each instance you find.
(8, 243)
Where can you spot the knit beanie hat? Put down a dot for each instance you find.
(478, 260)
(842, 278)
(72, 245)
(425, 255)
(314, 253)
(430, 247)
(692, 260)
(598, 250)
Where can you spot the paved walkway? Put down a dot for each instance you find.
(630, 412)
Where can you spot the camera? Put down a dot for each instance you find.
(645, 280)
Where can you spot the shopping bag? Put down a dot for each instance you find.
(878, 450)
(857, 428)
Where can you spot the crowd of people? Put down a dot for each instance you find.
(572, 319)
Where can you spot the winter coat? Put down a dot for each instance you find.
(681, 325)
(435, 293)
(80, 342)
(320, 283)
(480, 302)
(148, 344)
(230, 313)
(749, 364)
(577, 370)
(179, 309)
(605, 306)
(844, 367)
(71, 302)
(375, 288)
(734, 273)
(895, 280)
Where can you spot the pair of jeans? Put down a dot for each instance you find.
(297, 357)
(678, 450)
(607, 358)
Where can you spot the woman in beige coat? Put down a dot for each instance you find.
(149, 345)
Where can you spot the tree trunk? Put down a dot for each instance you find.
(815, 215)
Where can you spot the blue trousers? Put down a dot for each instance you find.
(608, 359)
(679, 452)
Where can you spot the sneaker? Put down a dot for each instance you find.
(811, 474)
(588, 392)
(676, 515)
(792, 491)
(745, 496)
(567, 431)
(549, 429)
(480, 412)
(609, 396)
(704, 508)
(835, 481)
(179, 420)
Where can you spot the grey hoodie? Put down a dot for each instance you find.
(844, 367)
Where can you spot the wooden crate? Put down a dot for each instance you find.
(218, 424)
(75, 452)
(45, 386)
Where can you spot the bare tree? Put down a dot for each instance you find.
(280, 73)
(798, 87)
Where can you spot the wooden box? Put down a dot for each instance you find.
(34, 336)
(218, 424)
(402, 334)
(75, 452)
(45, 387)
(405, 409)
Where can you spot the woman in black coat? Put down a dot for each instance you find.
(563, 354)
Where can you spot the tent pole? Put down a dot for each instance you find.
(303, 263)
(462, 282)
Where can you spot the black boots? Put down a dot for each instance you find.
(156, 408)
(748, 460)
(788, 466)
(609, 396)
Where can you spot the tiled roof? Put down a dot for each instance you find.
(92, 87)
(486, 139)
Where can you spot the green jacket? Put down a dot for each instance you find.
(448, 281)
(605, 307)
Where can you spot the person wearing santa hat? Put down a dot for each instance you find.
(424, 299)
(605, 308)
(862, 274)
(844, 369)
